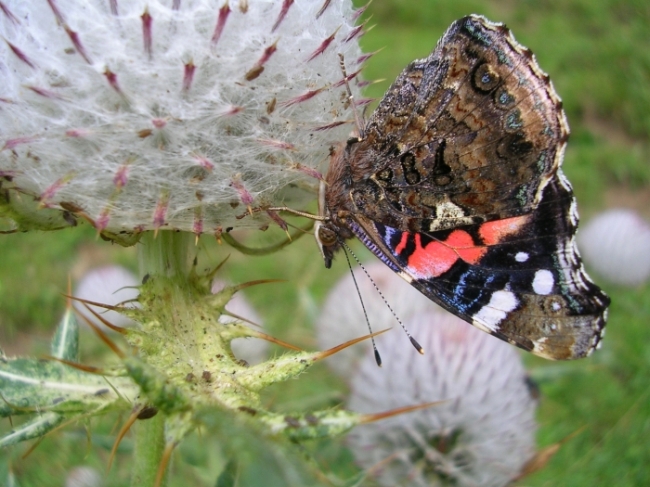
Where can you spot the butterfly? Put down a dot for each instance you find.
(455, 183)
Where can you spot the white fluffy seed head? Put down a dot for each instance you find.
(616, 244)
(148, 114)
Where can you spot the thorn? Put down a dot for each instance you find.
(346, 79)
(11, 144)
(349, 343)
(543, 456)
(213, 272)
(323, 8)
(300, 98)
(188, 75)
(45, 93)
(120, 435)
(257, 69)
(101, 334)
(111, 77)
(55, 11)
(248, 284)
(232, 110)
(362, 59)
(121, 176)
(268, 338)
(354, 32)
(279, 221)
(286, 4)
(245, 197)
(324, 45)
(8, 13)
(50, 192)
(20, 54)
(160, 213)
(113, 5)
(309, 171)
(359, 12)
(243, 6)
(76, 42)
(371, 418)
(221, 23)
(93, 303)
(147, 22)
(167, 453)
(363, 102)
(331, 125)
(197, 225)
(107, 323)
(278, 144)
(84, 368)
(204, 162)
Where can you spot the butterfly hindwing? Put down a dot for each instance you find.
(520, 278)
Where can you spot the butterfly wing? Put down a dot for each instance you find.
(520, 279)
(456, 185)
(472, 133)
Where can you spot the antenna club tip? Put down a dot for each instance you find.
(377, 358)
(417, 346)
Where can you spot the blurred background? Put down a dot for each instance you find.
(598, 56)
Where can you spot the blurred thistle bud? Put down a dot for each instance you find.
(111, 285)
(84, 476)
(168, 115)
(616, 244)
(483, 431)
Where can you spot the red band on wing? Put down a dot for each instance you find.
(493, 232)
(438, 256)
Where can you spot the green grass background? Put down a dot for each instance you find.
(598, 55)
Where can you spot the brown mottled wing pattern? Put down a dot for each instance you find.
(472, 133)
(456, 185)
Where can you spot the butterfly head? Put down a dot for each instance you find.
(328, 241)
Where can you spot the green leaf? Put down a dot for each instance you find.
(65, 344)
(228, 478)
(35, 428)
(31, 385)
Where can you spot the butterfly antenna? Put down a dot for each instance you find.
(363, 306)
(357, 119)
(413, 341)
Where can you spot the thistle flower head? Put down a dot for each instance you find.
(482, 433)
(180, 115)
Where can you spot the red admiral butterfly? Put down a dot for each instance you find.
(455, 184)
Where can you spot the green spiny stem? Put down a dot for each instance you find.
(163, 254)
(148, 452)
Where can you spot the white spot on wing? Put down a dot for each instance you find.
(543, 282)
(521, 257)
(493, 313)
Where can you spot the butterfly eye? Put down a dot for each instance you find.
(326, 236)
